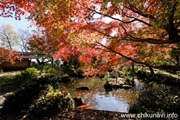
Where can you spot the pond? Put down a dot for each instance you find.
(118, 100)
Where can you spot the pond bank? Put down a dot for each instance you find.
(93, 115)
(74, 115)
(159, 76)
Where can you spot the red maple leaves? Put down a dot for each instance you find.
(133, 31)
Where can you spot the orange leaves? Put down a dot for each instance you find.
(8, 55)
(41, 46)
(19, 6)
(76, 27)
(65, 51)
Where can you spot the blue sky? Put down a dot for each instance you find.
(23, 24)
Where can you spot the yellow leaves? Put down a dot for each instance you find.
(54, 94)
(84, 38)
(48, 10)
(5, 0)
(51, 93)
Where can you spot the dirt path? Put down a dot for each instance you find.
(9, 73)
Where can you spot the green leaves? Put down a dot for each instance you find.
(116, 1)
(136, 2)
(105, 2)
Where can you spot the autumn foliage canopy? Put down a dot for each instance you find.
(106, 33)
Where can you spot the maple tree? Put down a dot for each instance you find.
(151, 32)
(8, 55)
(39, 47)
(140, 31)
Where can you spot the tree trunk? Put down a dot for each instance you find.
(52, 61)
(177, 59)
(40, 63)
(152, 71)
(133, 73)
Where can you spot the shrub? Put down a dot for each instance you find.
(39, 92)
(29, 73)
(44, 68)
(7, 80)
(52, 102)
(23, 97)
(58, 75)
(15, 81)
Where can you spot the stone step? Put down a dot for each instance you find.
(2, 99)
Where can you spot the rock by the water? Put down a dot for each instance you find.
(65, 79)
(82, 88)
(52, 106)
(160, 76)
(78, 101)
(141, 74)
(8, 94)
(117, 83)
(126, 86)
(2, 99)
(107, 86)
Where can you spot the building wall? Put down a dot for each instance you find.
(18, 65)
(1, 66)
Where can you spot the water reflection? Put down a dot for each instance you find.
(117, 100)
(138, 85)
(107, 102)
(99, 99)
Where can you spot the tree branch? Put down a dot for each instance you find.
(134, 19)
(162, 67)
(141, 13)
(115, 18)
(131, 38)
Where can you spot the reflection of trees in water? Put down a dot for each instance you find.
(124, 95)
(90, 99)
(139, 85)
(157, 98)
